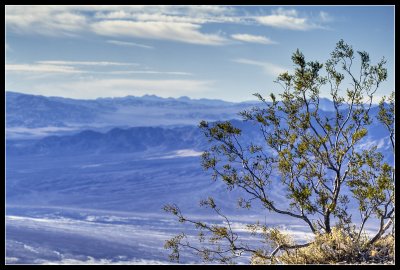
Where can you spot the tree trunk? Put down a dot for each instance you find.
(327, 221)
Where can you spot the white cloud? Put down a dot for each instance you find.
(86, 63)
(41, 68)
(175, 23)
(60, 66)
(56, 66)
(131, 44)
(285, 12)
(122, 87)
(286, 22)
(178, 23)
(152, 17)
(209, 9)
(183, 32)
(190, 14)
(287, 19)
(120, 14)
(253, 38)
(151, 72)
(182, 153)
(268, 68)
(325, 17)
(45, 20)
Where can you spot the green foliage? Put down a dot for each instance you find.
(386, 114)
(314, 156)
(358, 135)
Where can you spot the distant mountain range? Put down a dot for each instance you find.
(33, 111)
(58, 116)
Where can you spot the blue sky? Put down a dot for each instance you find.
(222, 52)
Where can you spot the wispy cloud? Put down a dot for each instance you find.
(45, 20)
(86, 63)
(129, 44)
(56, 66)
(253, 38)
(7, 47)
(189, 14)
(287, 19)
(41, 68)
(325, 17)
(150, 72)
(182, 32)
(174, 23)
(268, 68)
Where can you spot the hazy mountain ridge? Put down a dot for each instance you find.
(119, 140)
(34, 111)
(37, 111)
(34, 114)
(162, 139)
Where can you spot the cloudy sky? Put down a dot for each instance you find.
(223, 52)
